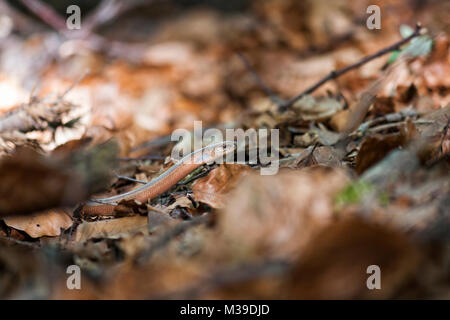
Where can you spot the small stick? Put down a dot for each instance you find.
(258, 79)
(336, 73)
(197, 176)
(77, 82)
(129, 179)
(46, 13)
(149, 157)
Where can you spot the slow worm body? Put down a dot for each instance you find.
(159, 185)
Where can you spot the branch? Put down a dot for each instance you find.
(258, 79)
(21, 22)
(46, 13)
(94, 41)
(336, 73)
(109, 10)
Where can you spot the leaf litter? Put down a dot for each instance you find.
(364, 148)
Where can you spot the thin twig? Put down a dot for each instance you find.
(129, 179)
(195, 177)
(148, 157)
(109, 10)
(73, 85)
(336, 73)
(46, 13)
(258, 79)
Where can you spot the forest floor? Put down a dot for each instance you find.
(356, 124)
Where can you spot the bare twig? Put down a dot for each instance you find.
(259, 81)
(94, 41)
(21, 21)
(46, 13)
(76, 82)
(129, 179)
(148, 157)
(336, 73)
(109, 10)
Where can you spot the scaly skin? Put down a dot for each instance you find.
(164, 182)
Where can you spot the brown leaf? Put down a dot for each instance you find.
(31, 182)
(213, 188)
(113, 228)
(445, 144)
(334, 263)
(40, 224)
(376, 147)
(437, 75)
(277, 214)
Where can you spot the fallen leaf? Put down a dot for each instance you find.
(376, 147)
(32, 182)
(335, 260)
(276, 215)
(213, 188)
(113, 228)
(45, 223)
(183, 202)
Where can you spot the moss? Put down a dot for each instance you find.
(356, 191)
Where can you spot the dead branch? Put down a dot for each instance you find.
(109, 10)
(337, 73)
(259, 81)
(46, 13)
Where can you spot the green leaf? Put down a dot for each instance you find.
(393, 56)
(420, 46)
(353, 193)
(406, 30)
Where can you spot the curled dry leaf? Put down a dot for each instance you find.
(213, 188)
(113, 228)
(311, 109)
(183, 202)
(40, 224)
(277, 214)
(376, 147)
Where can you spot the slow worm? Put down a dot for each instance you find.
(159, 185)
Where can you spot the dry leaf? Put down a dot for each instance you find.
(276, 215)
(45, 223)
(113, 228)
(31, 182)
(376, 147)
(213, 188)
(334, 263)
